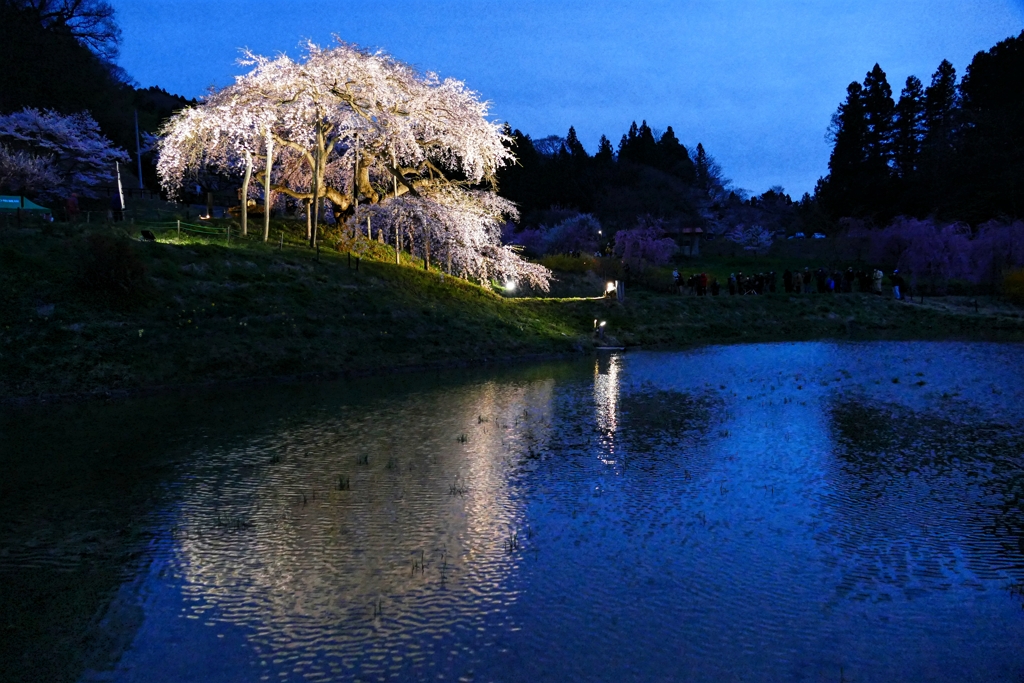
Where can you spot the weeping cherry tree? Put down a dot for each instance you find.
(379, 144)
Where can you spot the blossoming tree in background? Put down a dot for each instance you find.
(645, 244)
(78, 156)
(751, 236)
(406, 156)
(22, 173)
(933, 253)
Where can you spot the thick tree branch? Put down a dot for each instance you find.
(297, 147)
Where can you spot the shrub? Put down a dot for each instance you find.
(111, 265)
(1013, 286)
(570, 264)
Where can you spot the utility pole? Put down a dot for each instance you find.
(120, 190)
(138, 149)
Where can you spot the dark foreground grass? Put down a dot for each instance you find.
(210, 313)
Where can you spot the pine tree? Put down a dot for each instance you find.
(941, 102)
(673, 157)
(841, 190)
(638, 145)
(938, 155)
(879, 110)
(573, 146)
(707, 172)
(647, 148)
(605, 154)
(990, 150)
(909, 128)
(628, 142)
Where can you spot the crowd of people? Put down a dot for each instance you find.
(806, 281)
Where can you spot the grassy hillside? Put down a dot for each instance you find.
(85, 312)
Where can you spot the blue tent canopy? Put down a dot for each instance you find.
(9, 204)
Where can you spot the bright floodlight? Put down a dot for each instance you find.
(610, 287)
(510, 286)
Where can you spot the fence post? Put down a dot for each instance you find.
(229, 235)
(179, 229)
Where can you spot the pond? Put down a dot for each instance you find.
(776, 512)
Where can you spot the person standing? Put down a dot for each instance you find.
(71, 206)
(876, 281)
(897, 281)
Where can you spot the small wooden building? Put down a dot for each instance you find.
(689, 241)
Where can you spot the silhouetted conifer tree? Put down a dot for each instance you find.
(991, 151)
(639, 146)
(573, 146)
(841, 191)
(628, 141)
(707, 173)
(909, 128)
(879, 110)
(673, 157)
(605, 154)
(941, 100)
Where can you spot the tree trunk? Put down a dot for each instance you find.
(426, 247)
(394, 178)
(245, 192)
(266, 187)
(318, 163)
(355, 189)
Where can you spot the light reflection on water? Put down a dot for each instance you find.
(775, 512)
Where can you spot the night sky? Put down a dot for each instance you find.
(756, 82)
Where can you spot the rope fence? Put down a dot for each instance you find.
(179, 226)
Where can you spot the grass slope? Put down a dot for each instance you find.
(210, 312)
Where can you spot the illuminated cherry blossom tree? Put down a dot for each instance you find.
(24, 173)
(370, 138)
(77, 152)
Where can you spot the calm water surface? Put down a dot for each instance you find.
(782, 512)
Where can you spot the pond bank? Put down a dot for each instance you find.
(209, 315)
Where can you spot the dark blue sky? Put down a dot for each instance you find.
(756, 82)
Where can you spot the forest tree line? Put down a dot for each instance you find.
(649, 179)
(949, 150)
